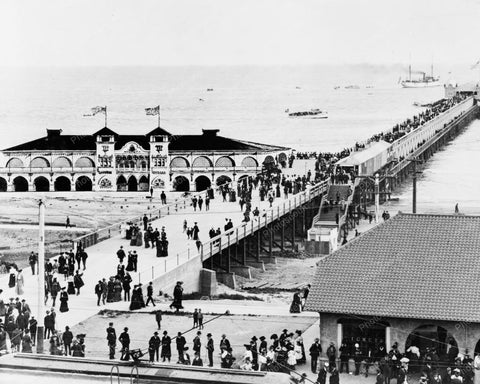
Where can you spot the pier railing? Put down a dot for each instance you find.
(115, 229)
(438, 134)
(223, 241)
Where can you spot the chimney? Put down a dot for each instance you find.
(51, 133)
(210, 132)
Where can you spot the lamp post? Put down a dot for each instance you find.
(41, 275)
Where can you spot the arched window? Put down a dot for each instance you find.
(201, 162)
(62, 162)
(39, 162)
(179, 162)
(224, 161)
(15, 163)
(249, 162)
(84, 162)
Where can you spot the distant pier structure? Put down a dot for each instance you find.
(387, 161)
(108, 161)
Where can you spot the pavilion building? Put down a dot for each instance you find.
(107, 161)
(413, 280)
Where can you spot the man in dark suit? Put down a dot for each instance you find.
(210, 349)
(112, 340)
(315, 351)
(322, 375)
(99, 291)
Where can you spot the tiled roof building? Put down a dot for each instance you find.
(109, 161)
(409, 272)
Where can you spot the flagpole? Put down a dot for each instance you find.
(105, 116)
(159, 116)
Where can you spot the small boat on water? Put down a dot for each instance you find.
(418, 104)
(352, 87)
(209, 89)
(312, 114)
(336, 87)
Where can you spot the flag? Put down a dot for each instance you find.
(153, 111)
(96, 110)
(475, 65)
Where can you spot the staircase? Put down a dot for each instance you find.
(327, 225)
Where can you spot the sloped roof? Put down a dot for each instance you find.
(106, 132)
(159, 132)
(208, 141)
(357, 158)
(412, 266)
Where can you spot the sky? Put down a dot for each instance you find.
(237, 32)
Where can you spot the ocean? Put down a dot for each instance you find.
(247, 102)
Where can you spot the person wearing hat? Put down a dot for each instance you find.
(111, 340)
(224, 343)
(263, 345)
(402, 373)
(332, 355)
(315, 350)
(63, 300)
(357, 358)
(125, 341)
(67, 338)
(177, 296)
(197, 343)
(456, 378)
(210, 349)
(166, 347)
(322, 374)
(181, 342)
(254, 349)
(154, 346)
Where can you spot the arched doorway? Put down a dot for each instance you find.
(132, 184)
(121, 183)
(3, 185)
(202, 183)
(181, 184)
(20, 184)
(83, 183)
(143, 183)
(430, 336)
(223, 180)
(62, 184)
(41, 184)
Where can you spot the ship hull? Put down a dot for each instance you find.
(411, 84)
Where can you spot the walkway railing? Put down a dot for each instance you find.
(114, 229)
(218, 243)
(455, 120)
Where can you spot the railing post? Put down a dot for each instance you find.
(165, 265)
(178, 259)
(153, 274)
(168, 210)
(188, 252)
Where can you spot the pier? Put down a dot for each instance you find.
(378, 170)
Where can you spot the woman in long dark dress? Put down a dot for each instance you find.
(134, 304)
(296, 303)
(117, 289)
(158, 245)
(130, 267)
(12, 278)
(177, 296)
(110, 290)
(70, 286)
(166, 352)
(164, 247)
(63, 301)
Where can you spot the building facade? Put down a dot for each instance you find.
(107, 161)
(412, 280)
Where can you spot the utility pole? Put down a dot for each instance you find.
(41, 276)
(377, 197)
